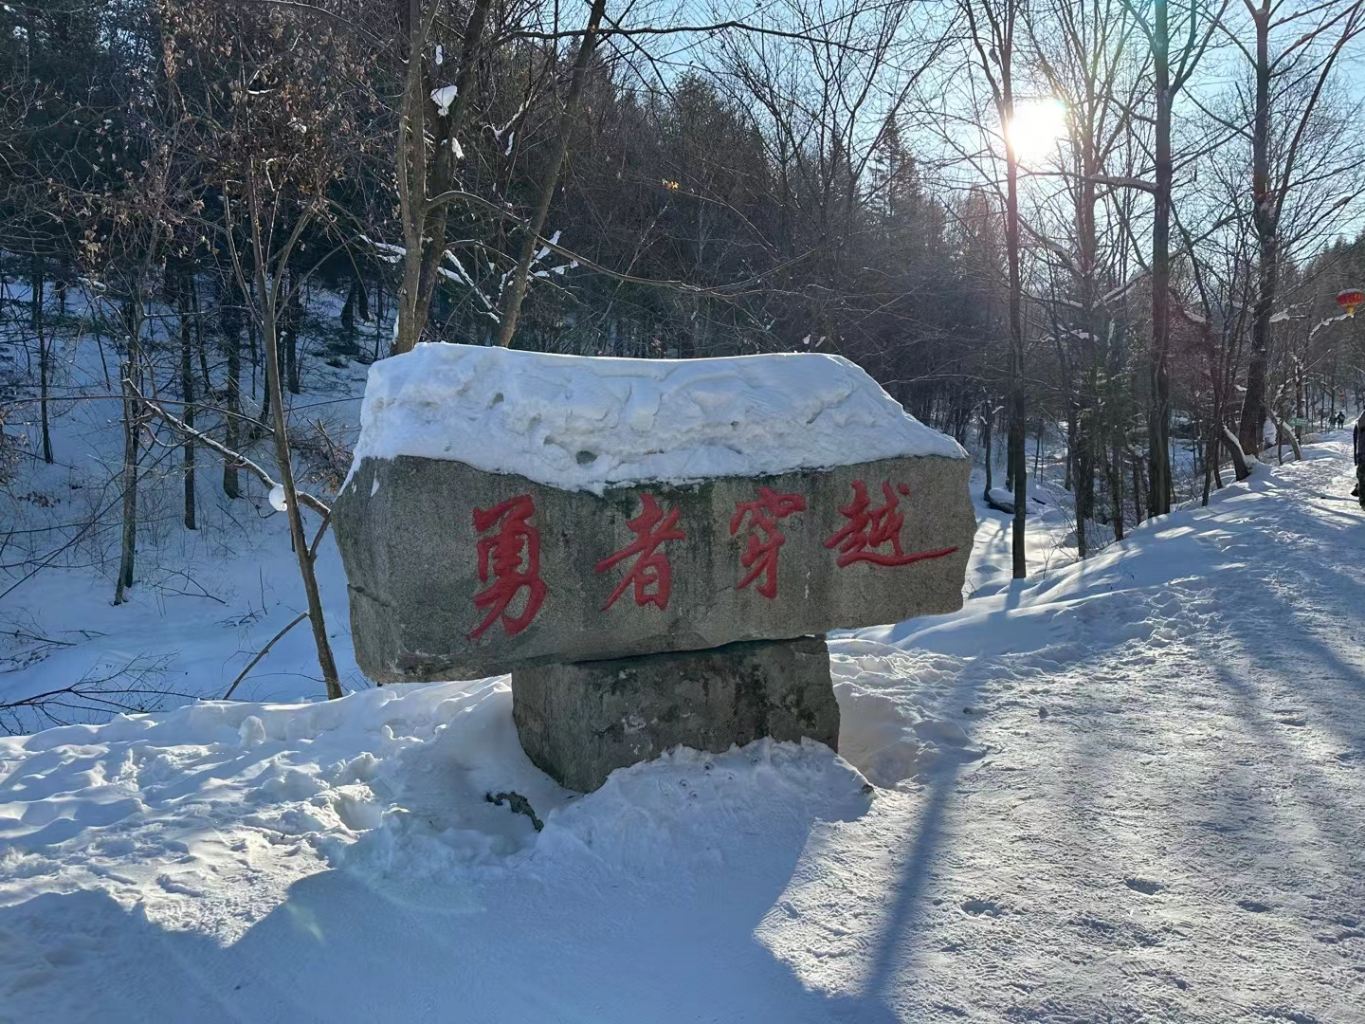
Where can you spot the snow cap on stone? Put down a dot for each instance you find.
(589, 423)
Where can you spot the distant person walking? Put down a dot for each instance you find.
(1358, 453)
(1341, 420)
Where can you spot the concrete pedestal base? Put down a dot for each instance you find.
(580, 721)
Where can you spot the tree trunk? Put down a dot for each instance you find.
(205, 377)
(1285, 432)
(282, 455)
(186, 293)
(378, 313)
(1088, 439)
(1116, 489)
(1240, 463)
(44, 361)
(230, 322)
(1138, 499)
(1018, 403)
(1083, 484)
(268, 293)
(348, 307)
(1159, 415)
(987, 421)
(424, 224)
(133, 325)
(511, 308)
(1251, 429)
(35, 298)
(293, 320)
(1068, 482)
(1211, 447)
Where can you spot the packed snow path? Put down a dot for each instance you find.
(1133, 789)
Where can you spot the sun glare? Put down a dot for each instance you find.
(1036, 128)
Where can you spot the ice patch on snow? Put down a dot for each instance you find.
(592, 423)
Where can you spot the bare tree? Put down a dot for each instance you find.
(993, 30)
(1085, 51)
(1172, 66)
(516, 292)
(428, 150)
(269, 259)
(1315, 35)
(275, 157)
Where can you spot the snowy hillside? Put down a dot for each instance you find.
(1128, 790)
(207, 601)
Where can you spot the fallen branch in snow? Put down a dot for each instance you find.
(132, 689)
(203, 592)
(518, 804)
(262, 653)
(241, 461)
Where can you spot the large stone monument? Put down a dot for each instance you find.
(653, 548)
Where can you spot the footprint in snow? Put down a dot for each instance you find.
(177, 886)
(977, 908)
(64, 956)
(1144, 885)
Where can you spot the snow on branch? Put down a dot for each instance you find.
(1114, 295)
(385, 251)
(443, 98)
(462, 277)
(1323, 323)
(237, 458)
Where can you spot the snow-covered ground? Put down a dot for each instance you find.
(1129, 789)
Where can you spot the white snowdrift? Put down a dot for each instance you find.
(215, 821)
(397, 779)
(591, 423)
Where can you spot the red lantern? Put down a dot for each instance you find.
(1350, 299)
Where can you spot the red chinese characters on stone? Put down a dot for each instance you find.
(765, 536)
(650, 573)
(870, 531)
(509, 562)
